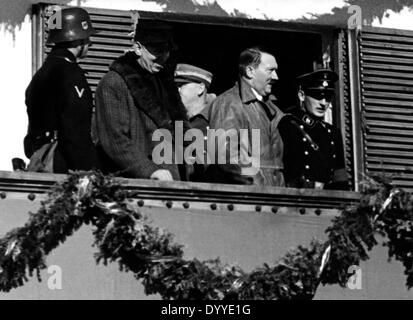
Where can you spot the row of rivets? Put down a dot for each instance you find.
(186, 205)
(30, 196)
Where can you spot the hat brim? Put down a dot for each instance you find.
(182, 81)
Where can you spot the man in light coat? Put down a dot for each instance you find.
(249, 117)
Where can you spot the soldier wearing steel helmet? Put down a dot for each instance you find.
(59, 100)
(313, 149)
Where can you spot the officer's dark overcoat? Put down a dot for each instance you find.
(319, 159)
(59, 98)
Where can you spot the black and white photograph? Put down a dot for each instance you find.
(202, 155)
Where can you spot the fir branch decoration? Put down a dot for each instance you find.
(123, 235)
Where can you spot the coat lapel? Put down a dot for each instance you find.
(143, 90)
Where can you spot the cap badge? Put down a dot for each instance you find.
(85, 25)
(325, 84)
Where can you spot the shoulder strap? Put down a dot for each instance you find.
(304, 133)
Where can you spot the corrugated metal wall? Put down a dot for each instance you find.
(387, 96)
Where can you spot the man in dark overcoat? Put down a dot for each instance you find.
(59, 100)
(313, 148)
(134, 101)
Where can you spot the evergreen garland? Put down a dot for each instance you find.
(123, 235)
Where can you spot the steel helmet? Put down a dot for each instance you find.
(75, 25)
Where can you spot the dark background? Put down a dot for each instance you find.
(217, 48)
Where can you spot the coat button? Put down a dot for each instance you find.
(329, 131)
(306, 153)
(334, 156)
(304, 139)
(332, 143)
(301, 127)
(307, 167)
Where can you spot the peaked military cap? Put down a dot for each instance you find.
(186, 73)
(322, 79)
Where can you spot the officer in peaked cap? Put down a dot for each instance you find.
(313, 148)
(193, 84)
(59, 100)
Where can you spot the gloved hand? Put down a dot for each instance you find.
(161, 174)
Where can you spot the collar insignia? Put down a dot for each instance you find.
(307, 120)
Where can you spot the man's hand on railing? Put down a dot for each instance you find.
(164, 175)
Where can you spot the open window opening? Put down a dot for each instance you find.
(217, 48)
(214, 43)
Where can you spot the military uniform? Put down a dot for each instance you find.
(59, 100)
(184, 74)
(201, 122)
(313, 153)
(313, 149)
